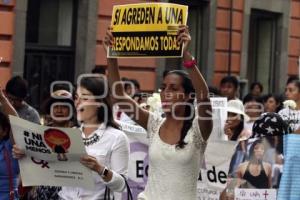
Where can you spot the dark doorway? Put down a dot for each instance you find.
(263, 49)
(50, 45)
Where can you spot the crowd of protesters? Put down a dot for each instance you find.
(108, 148)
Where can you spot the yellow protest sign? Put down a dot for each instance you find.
(147, 30)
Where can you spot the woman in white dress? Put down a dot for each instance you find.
(177, 142)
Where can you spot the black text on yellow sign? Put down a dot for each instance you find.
(147, 30)
(148, 15)
(145, 44)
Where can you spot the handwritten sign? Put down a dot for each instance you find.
(218, 102)
(219, 114)
(254, 194)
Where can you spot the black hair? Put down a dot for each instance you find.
(18, 87)
(252, 86)
(230, 79)
(277, 98)
(237, 131)
(128, 82)
(292, 78)
(135, 83)
(5, 125)
(98, 70)
(213, 91)
(96, 85)
(137, 95)
(67, 87)
(296, 83)
(165, 73)
(251, 150)
(140, 96)
(249, 97)
(188, 89)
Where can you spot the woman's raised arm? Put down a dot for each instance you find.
(200, 86)
(125, 102)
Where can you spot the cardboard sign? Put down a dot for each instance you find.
(47, 143)
(52, 155)
(36, 172)
(219, 114)
(147, 30)
(213, 174)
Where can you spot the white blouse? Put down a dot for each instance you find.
(111, 148)
(173, 172)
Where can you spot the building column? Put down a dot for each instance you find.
(19, 38)
(86, 36)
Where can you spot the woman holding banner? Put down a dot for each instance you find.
(177, 142)
(9, 173)
(59, 111)
(107, 147)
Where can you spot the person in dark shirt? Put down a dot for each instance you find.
(255, 171)
(16, 91)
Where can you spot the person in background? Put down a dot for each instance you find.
(235, 131)
(272, 103)
(253, 108)
(9, 168)
(131, 86)
(256, 89)
(177, 141)
(16, 91)
(140, 97)
(229, 87)
(60, 109)
(292, 115)
(236, 118)
(292, 78)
